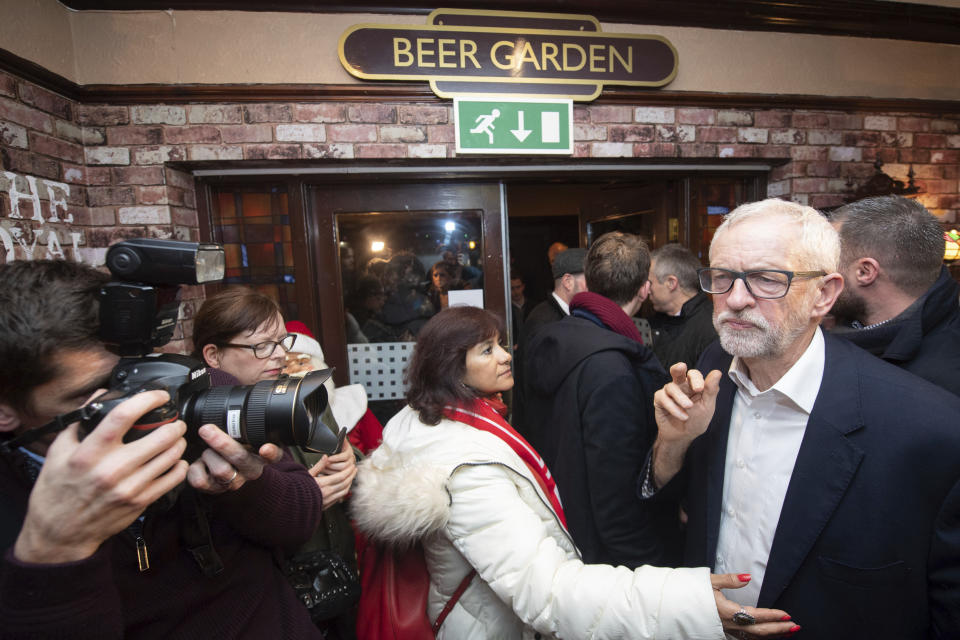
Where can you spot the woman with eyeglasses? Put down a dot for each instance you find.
(240, 334)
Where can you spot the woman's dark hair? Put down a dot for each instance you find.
(228, 313)
(439, 362)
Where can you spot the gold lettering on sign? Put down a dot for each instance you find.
(401, 47)
(527, 55)
(508, 58)
(627, 64)
(596, 55)
(468, 49)
(453, 53)
(423, 52)
(551, 56)
(443, 53)
(567, 48)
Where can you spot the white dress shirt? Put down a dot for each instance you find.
(563, 305)
(766, 429)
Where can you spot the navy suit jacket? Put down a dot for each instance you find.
(868, 541)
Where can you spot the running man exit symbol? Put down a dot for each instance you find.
(530, 126)
(485, 123)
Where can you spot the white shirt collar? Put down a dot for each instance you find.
(797, 383)
(563, 305)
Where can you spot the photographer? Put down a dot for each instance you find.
(240, 333)
(102, 538)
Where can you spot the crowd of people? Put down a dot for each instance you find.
(781, 461)
(391, 300)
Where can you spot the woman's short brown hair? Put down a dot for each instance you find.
(439, 362)
(231, 312)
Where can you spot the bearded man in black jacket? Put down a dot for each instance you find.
(899, 301)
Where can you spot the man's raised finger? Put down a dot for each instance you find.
(694, 381)
(711, 385)
(679, 372)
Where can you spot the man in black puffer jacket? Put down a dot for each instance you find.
(898, 301)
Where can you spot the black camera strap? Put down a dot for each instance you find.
(56, 425)
(195, 529)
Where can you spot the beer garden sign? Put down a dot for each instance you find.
(508, 58)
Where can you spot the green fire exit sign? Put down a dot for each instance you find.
(535, 126)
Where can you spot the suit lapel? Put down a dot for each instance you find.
(825, 465)
(716, 459)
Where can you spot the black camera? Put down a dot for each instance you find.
(139, 311)
(283, 411)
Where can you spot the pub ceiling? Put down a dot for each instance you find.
(934, 21)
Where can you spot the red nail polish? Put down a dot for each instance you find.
(794, 629)
(744, 577)
(785, 618)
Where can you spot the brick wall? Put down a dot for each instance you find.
(104, 167)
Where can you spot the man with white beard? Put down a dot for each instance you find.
(828, 473)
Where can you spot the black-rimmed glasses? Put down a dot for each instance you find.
(761, 283)
(266, 348)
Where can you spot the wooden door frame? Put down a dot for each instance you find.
(302, 258)
(325, 201)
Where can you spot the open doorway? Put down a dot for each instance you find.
(575, 214)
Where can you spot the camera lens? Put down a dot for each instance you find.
(283, 411)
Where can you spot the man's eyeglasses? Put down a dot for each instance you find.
(761, 283)
(266, 348)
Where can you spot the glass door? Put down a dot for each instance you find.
(388, 258)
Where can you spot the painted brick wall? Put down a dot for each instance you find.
(75, 177)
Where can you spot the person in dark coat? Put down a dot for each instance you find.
(899, 301)
(589, 408)
(100, 540)
(568, 281)
(827, 474)
(683, 324)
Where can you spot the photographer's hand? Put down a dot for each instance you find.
(334, 475)
(90, 490)
(226, 465)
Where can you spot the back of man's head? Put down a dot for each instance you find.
(678, 261)
(555, 249)
(899, 233)
(45, 306)
(617, 266)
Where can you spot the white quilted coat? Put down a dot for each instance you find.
(472, 501)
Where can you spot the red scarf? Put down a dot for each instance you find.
(483, 416)
(608, 312)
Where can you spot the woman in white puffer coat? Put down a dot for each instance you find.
(453, 475)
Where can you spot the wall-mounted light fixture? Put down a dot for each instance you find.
(377, 246)
(880, 184)
(952, 245)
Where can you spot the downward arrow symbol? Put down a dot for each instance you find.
(520, 132)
